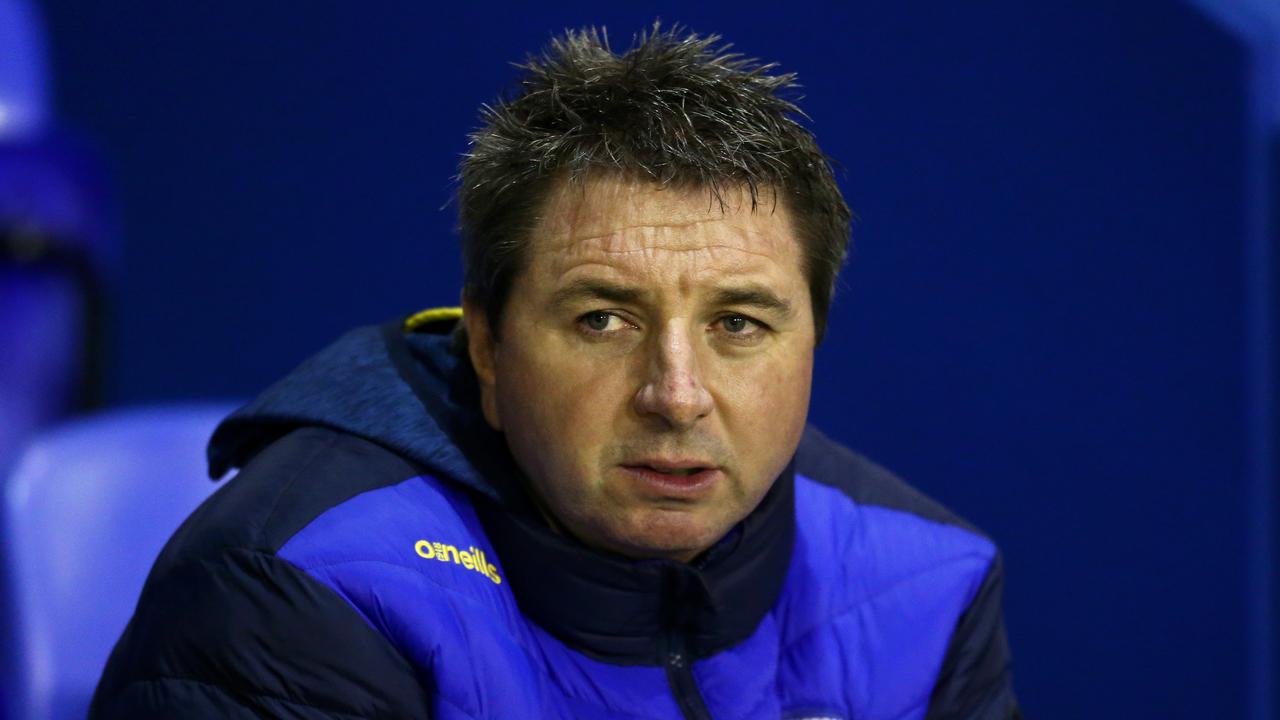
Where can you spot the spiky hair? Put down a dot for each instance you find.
(675, 108)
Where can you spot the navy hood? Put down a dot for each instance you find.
(409, 391)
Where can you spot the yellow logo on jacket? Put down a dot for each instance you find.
(472, 558)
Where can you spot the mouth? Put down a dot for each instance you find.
(686, 479)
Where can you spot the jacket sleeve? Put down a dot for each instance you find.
(975, 682)
(245, 634)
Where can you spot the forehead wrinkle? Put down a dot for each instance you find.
(570, 219)
(649, 224)
(635, 231)
(651, 249)
(674, 224)
(652, 232)
(649, 238)
(687, 263)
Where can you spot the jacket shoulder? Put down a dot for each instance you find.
(244, 634)
(872, 551)
(228, 627)
(826, 461)
(880, 534)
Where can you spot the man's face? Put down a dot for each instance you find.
(653, 364)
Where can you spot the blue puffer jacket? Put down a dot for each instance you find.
(376, 557)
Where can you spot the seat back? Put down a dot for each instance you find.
(56, 241)
(85, 512)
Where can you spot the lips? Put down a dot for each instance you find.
(673, 478)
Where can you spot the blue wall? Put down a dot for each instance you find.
(1042, 325)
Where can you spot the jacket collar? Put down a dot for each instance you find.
(627, 611)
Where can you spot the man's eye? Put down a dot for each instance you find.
(600, 321)
(740, 329)
(735, 324)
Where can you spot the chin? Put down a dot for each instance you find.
(664, 536)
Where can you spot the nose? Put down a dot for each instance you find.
(673, 389)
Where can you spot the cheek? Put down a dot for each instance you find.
(558, 406)
(770, 406)
(775, 380)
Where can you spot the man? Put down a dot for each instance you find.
(596, 495)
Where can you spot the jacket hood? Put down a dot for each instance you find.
(407, 391)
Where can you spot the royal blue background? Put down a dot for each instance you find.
(1045, 323)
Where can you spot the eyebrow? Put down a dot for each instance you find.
(750, 295)
(596, 290)
(756, 296)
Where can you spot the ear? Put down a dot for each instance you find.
(483, 350)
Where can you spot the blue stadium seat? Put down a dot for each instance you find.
(85, 512)
(41, 333)
(56, 239)
(24, 73)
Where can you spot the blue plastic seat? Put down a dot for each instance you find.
(56, 241)
(87, 509)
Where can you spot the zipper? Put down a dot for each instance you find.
(679, 668)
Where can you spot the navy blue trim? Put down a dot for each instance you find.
(975, 681)
(283, 488)
(821, 459)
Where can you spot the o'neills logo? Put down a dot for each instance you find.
(471, 558)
